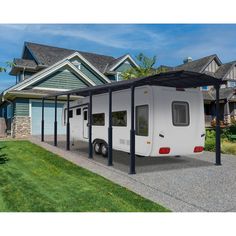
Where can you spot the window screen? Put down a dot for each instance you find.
(86, 115)
(142, 120)
(99, 119)
(119, 118)
(180, 113)
(78, 111)
(70, 113)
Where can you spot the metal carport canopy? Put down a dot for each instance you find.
(178, 79)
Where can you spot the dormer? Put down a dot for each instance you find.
(213, 66)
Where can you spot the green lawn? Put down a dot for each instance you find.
(35, 180)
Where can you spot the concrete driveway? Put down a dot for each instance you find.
(186, 183)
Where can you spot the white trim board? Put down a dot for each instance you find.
(39, 76)
(122, 60)
(56, 66)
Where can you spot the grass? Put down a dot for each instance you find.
(35, 180)
(228, 147)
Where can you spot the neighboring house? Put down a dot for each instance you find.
(212, 65)
(45, 69)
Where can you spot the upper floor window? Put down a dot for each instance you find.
(231, 84)
(77, 64)
(118, 76)
(205, 88)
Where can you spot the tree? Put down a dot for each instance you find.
(146, 68)
(8, 64)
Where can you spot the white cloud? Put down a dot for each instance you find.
(128, 37)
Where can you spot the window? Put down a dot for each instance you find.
(77, 64)
(78, 111)
(231, 84)
(99, 119)
(9, 111)
(142, 120)
(119, 118)
(118, 76)
(205, 88)
(180, 113)
(85, 115)
(70, 113)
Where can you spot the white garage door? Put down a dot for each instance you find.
(49, 111)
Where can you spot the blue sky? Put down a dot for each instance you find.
(171, 43)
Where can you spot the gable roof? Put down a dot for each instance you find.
(224, 69)
(198, 65)
(112, 66)
(225, 93)
(49, 55)
(25, 63)
(43, 73)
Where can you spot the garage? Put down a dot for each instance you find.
(49, 113)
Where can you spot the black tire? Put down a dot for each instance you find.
(104, 149)
(97, 148)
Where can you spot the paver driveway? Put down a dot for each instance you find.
(187, 183)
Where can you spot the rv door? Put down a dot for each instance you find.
(85, 122)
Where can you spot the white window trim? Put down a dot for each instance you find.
(117, 76)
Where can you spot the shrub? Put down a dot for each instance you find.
(210, 145)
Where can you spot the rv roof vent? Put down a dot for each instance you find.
(187, 60)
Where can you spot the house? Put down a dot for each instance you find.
(226, 71)
(44, 69)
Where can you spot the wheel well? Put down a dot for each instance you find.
(97, 140)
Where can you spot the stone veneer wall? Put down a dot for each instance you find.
(21, 126)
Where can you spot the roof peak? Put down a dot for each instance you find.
(63, 48)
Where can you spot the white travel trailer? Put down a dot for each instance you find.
(168, 121)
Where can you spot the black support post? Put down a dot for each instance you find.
(90, 126)
(68, 124)
(42, 122)
(55, 123)
(132, 135)
(218, 145)
(110, 131)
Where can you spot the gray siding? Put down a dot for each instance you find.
(123, 67)
(64, 79)
(89, 73)
(21, 107)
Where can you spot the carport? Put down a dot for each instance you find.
(177, 79)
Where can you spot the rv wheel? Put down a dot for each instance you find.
(104, 149)
(97, 148)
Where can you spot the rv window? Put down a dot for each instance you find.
(70, 113)
(180, 113)
(86, 115)
(119, 118)
(99, 119)
(78, 111)
(142, 120)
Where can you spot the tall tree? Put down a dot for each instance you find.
(8, 64)
(145, 68)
